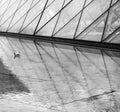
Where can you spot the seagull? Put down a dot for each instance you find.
(16, 55)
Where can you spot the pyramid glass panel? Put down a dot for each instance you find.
(94, 32)
(8, 12)
(59, 55)
(67, 14)
(70, 19)
(114, 38)
(113, 21)
(68, 29)
(48, 29)
(91, 13)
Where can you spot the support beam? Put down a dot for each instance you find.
(64, 41)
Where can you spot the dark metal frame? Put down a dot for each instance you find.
(64, 41)
(59, 40)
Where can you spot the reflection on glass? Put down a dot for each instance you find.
(60, 18)
(90, 77)
(9, 83)
(78, 19)
(95, 31)
(91, 13)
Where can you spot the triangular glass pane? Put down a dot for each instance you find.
(72, 10)
(9, 13)
(50, 12)
(22, 10)
(47, 30)
(69, 30)
(4, 26)
(113, 21)
(95, 33)
(16, 27)
(115, 38)
(29, 29)
(34, 13)
(3, 7)
(104, 4)
(95, 27)
(90, 14)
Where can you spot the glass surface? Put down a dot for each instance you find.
(68, 13)
(91, 13)
(50, 12)
(8, 13)
(23, 8)
(94, 32)
(113, 20)
(32, 17)
(93, 20)
(52, 78)
(48, 29)
(3, 6)
(68, 30)
(114, 38)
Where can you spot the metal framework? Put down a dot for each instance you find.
(91, 23)
(64, 41)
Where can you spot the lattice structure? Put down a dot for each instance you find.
(56, 77)
(94, 20)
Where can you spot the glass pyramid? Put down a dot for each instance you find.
(39, 76)
(96, 20)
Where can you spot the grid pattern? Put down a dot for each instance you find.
(61, 78)
(95, 20)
